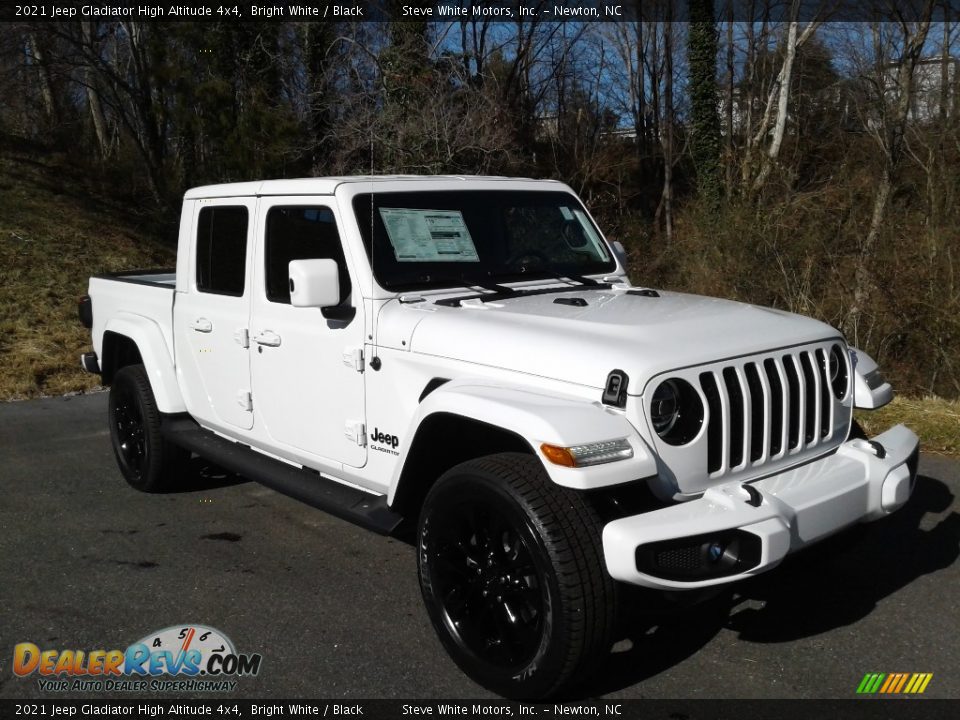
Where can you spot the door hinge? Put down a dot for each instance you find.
(353, 357)
(242, 336)
(356, 431)
(245, 400)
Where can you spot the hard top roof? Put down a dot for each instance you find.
(327, 185)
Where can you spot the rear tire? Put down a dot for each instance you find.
(146, 460)
(512, 573)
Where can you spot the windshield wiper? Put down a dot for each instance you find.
(468, 281)
(572, 276)
(487, 285)
(526, 292)
(462, 280)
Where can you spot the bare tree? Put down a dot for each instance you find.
(897, 48)
(666, 124)
(92, 92)
(40, 62)
(773, 123)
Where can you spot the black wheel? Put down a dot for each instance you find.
(147, 461)
(512, 573)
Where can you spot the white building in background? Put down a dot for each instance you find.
(935, 82)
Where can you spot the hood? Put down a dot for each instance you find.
(581, 344)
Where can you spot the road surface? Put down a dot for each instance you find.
(335, 611)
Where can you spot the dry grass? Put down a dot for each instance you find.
(53, 236)
(935, 420)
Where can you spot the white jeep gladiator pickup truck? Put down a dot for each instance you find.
(468, 354)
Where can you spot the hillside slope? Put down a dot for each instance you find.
(54, 233)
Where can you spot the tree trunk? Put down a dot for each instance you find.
(861, 279)
(783, 100)
(728, 104)
(44, 80)
(93, 95)
(781, 89)
(667, 126)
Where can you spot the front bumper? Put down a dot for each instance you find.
(740, 529)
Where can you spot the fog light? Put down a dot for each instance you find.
(715, 552)
(701, 557)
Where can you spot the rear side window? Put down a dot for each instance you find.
(222, 250)
(300, 233)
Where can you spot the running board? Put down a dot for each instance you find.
(361, 508)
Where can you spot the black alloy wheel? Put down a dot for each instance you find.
(492, 594)
(512, 574)
(146, 460)
(131, 441)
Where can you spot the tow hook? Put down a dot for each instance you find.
(879, 451)
(755, 498)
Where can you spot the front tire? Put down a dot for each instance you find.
(147, 461)
(512, 573)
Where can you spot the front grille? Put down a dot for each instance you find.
(764, 410)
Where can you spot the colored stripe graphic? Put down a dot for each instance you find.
(870, 683)
(894, 683)
(891, 680)
(903, 680)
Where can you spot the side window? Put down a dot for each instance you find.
(222, 250)
(300, 233)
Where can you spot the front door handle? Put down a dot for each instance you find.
(268, 338)
(202, 325)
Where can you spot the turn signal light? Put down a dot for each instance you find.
(588, 454)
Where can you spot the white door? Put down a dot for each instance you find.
(308, 387)
(210, 319)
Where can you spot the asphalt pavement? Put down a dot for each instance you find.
(335, 611)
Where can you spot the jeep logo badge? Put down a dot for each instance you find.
(378, 437)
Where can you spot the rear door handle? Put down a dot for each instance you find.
(202, 325)
(268, 338)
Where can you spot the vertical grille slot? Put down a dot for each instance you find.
(812, 396)
(826, 399)
(715, 427)
(794, 399)
(737, 418)
(776, 406)
(759, 411)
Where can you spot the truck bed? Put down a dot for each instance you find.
(135, 293)
(166, 277)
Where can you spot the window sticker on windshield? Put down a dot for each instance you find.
(591, 233)
(428, 235)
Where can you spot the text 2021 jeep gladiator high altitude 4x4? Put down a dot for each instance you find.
(468, 353)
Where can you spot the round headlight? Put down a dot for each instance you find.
(676, 411)
(837, 368)
(665, 407)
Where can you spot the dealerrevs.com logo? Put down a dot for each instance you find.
(181, 658)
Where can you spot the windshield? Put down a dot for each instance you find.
(420, 240)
